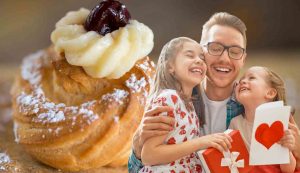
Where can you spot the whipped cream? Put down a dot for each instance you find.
(109, 56)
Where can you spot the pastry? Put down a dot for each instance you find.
(77, 103)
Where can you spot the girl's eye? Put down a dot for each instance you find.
(189, 55)
(251, 77)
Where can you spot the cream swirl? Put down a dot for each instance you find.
(109, 56)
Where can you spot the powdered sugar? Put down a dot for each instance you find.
(4, 160)
(52, 116)
(35, 101)
(31, 66)
(116, 119)
(135, 84)
(16, 126)
(118, 95)
(147, 67)
(144, 66)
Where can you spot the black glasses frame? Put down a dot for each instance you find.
(225, 48)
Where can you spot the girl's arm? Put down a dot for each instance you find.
(154, 152)
(290, 167)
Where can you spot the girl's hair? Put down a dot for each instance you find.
(276, 82)
(165, 80)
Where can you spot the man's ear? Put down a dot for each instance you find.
(271, 94)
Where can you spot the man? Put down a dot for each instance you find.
(224, 44)
(296, 132)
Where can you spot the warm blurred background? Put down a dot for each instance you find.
(273, 30)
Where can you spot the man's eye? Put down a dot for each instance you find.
(217, 50)
(234, 53)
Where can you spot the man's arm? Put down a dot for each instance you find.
(150, 126)
(296, 132)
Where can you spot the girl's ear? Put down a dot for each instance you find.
(171, 69)
(271, 93)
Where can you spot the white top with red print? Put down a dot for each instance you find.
(186, 128)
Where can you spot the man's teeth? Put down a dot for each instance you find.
(223, 69)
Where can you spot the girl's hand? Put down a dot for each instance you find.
(288, 140)
(220, 141)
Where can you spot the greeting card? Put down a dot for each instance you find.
(271, 120)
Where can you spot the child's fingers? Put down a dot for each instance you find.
(217, 146)
(221, 140)
(227, 140)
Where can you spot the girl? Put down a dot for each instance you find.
(260, 85)
(180, 68)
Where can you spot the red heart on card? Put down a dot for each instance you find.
(267, 136)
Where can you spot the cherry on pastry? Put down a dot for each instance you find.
(107, 17)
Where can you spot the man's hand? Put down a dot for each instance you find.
(296, 132)
(152, 125)
(288, 140)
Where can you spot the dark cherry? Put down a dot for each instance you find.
(107, 17)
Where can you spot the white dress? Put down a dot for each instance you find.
(186, 128)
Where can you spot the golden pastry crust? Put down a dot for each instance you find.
(71, 121)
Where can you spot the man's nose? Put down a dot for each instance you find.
(225, 56)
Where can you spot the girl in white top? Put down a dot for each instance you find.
(180, 69)
(260, 85)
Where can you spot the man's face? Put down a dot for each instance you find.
(222, 71)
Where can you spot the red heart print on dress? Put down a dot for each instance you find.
(174, 99)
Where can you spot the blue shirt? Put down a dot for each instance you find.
(233, 109)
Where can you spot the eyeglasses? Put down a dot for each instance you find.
(217, 49)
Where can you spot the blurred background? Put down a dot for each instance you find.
(272, 30)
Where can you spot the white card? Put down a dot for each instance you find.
(264, 152)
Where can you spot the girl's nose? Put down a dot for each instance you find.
(199, 61)
(242, 81)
